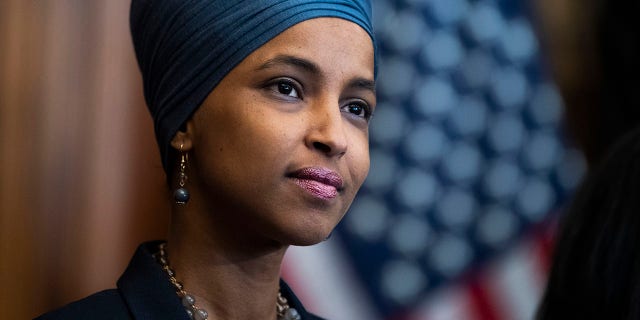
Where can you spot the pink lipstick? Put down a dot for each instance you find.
(320, 182)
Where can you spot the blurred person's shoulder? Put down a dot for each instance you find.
(107, 304)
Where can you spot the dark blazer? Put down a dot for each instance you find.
(143, 293)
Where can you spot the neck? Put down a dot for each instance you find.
(230, 275)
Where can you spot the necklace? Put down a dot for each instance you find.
(283, 310)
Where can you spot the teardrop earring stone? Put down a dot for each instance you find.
(181, 195)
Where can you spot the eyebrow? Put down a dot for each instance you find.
(363, 83)
(290, 60)
(308, 66)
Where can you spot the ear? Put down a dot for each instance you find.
(183, 140)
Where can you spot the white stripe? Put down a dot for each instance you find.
(515, 283)
(450, 303)
(322, 274)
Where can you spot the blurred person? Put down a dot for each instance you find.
(595, 271)
(596, 268)
(261, 112)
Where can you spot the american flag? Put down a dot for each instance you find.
(469, 169)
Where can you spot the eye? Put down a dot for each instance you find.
(286, 87)
(359, 109)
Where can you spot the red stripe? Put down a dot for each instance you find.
(402, 316)
(545, 237)
(544, 242)
(480, 303)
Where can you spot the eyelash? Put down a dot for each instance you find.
(278, 84)
(364, 107)
(293, 85)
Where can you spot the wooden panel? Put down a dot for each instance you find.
(81, 183)
(18, 150)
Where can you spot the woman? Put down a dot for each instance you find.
(261, 112)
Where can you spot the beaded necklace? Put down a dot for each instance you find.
(283, 310)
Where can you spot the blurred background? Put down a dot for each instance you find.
(486, 109)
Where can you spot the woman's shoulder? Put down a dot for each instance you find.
(104, 305)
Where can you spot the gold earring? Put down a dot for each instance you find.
(181, 195)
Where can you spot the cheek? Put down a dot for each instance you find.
(359, 160)
(257, 146)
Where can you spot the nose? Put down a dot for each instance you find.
(327, 132)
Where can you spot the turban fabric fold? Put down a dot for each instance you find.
(185, 47)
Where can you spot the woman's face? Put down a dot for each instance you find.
(280, 147)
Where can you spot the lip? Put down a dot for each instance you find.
(320, 182)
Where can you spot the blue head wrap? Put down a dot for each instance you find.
(185, 47)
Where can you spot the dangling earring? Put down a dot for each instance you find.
(181, 195)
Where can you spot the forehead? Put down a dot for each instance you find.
(335, 45)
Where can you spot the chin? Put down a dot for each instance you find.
(306, 228)
(307, 237)
(307, 242)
